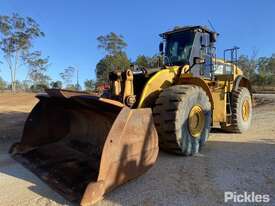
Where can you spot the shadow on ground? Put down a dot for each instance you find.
(11, 128)
(11, 125)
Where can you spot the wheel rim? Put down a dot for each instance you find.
(245, 110)
(196, 121)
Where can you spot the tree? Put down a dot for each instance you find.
(263, 65)
(56, 84)
(19, 85)
(271, 68)
(111, 43)
(148, 62)
(266, 71)
(115, 59)
(142, 61)
(17, 35)
(155, 61)
(67, 75)
(77, 87)
(37, 68)
(248, 65)
(118, 61)
(3, 84)
(89, 85)
(38, 87)
(259, 70)
(271, 65)
(26, 85)
(74, 87)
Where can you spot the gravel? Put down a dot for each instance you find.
(228, 162)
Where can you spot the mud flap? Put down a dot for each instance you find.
(85, 146)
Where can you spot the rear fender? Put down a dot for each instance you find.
(242, 81)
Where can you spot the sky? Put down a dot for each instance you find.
(71, 27)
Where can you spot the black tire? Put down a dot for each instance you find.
(171, 113)
(238, 124)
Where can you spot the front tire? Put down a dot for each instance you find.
(182, 116)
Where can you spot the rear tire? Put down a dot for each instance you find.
(241, 111)
(182, 115)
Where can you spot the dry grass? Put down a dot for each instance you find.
(14, 109)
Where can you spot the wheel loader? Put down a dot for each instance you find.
(85, 146)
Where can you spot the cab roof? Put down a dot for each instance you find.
(188, 28)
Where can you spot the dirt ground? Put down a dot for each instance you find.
(228, 162)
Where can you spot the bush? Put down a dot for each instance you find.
(38, 87)
(3, 84)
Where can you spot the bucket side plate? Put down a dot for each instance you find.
(130, 149)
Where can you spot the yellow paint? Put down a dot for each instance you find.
(196, 121)
(216, 90)
(236, 70)
(219, 99)
(224, 84)
(245, 110)
(161, 80)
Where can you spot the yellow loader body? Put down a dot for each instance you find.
(84, 146)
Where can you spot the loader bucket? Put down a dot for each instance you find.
(84, 146)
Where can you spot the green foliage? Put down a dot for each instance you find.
(118, 61)
(41, 79)
(26, 85)
(267, 65)
(21, 85)
(260, 71)
(67, 75)
(142, 61)
(148, 62)
(77, 87)
(116, 58)
(16, 38)
(56, 84)
(89, 85)
(37, 68)
(272, 64)
(3, 84)
(73, 87)
(248, 65)
(38, 87)
(18, 33)
(266, 71)
(111, 43)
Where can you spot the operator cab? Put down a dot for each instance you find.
(185, 45)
